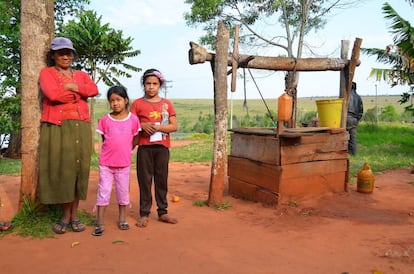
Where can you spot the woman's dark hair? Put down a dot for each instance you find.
(153, 72)
(118, 90)
(50, 62)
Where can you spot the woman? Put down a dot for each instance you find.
(65, 134)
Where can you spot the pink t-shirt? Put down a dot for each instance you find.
(116, 149)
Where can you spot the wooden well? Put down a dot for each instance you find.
(297, 164)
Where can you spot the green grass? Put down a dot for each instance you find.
(37, 222)
(10, 166)
(200, 151)
(384, 147)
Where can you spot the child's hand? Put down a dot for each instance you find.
(149, 128)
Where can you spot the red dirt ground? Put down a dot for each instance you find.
(335, 233)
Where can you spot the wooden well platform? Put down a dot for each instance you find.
(297, 164)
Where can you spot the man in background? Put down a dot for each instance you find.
(355, 111)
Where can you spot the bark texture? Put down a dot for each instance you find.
(37, 28)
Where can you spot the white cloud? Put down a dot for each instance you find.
(142, 13)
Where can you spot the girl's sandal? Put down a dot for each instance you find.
(123, 225)
(98, 231)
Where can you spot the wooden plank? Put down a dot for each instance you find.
(255, 131)
(314, 148)
(316, 138)
(307, 129)
(198, 55)
(244, 190)
(316, 168)
(257, 148)
(325, 138)
(313, 152)
(301, 188)
(283, 134)
(308, 156)
(253, 172)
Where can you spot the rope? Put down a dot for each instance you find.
(268, 110)
(245, 92)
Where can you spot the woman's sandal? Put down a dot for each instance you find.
(98, 230)
(123, 225)
(60, 227)
(143, 221)
(167, 219)
(6, 226)
(77, 226)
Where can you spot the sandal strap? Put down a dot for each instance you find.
(62, 228)
(123, 225)
(77, 226)
(98, 230)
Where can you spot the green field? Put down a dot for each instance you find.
(190, 109)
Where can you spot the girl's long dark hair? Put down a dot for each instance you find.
(118, 90)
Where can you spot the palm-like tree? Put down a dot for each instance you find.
(102, 51)
(400, 55)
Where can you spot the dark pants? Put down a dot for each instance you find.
(351, 127)
(152, 164)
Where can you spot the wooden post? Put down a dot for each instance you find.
(218, 166)
(235, 59)
(349, 77)
(37, 28)
(354, 61)
(343, 83)
(342, 78)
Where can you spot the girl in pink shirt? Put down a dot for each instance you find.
(118, 130)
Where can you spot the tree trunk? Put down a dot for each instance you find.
(14, 149)
(291, 89)
(218, 166)
(37, 28)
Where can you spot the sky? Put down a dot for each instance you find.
(159, 31)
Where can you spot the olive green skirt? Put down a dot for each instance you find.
(64, 161)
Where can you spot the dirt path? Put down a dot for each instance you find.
(342, 233)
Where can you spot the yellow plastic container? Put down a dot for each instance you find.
(330, 112)
(365, 179)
